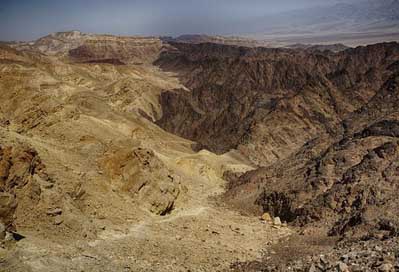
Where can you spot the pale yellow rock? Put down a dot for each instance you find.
(266, 217)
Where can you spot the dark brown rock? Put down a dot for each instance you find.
(268, 102)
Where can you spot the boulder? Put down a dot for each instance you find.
(266, 217)
(277, 221)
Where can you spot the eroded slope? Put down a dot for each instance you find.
(117, 191)
(268, 102)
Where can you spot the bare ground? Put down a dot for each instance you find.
(77, 114)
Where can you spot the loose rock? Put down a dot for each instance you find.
(277, 221)
(266, 217)
(54, 212)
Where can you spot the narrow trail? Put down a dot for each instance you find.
(199, 235)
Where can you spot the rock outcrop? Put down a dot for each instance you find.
(140, 173)
(58, 43)
(18, 167)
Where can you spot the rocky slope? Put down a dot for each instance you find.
(268, 102)
(88, 182)
(21, 175)
(324, 127)
(342, 186)
(348, 183)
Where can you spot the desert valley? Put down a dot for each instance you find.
(200, 153)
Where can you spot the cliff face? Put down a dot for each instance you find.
(117, 50)
(55, 43)
(268, 102)
(94, 48)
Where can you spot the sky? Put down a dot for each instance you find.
(28, 20)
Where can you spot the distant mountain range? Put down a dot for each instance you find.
(241, 41)
(342, 17)
(351, 23)
(228, 40)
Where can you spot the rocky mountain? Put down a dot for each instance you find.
(229, 40)
(87, 180)
(342, 186)
(281, 106)
(149, 154)
(268, 102)
(323, 125)
(334, 179)
(55, 43)
(319, 47)
(96, 48)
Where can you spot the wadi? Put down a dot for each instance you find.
(199, 153)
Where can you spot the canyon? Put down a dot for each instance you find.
(156, 154)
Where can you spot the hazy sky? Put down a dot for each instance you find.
(30, 19)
